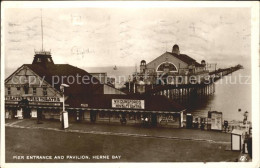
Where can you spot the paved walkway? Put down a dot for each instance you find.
(118, 130)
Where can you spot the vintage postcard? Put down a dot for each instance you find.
(130, 84)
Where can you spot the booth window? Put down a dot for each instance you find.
(131, 116)
(103, 115)
(34, 91)
(138, 116)
(44, 91)
(116, 115)
(8, 90)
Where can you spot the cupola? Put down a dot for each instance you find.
(175, 49)
(43, 58)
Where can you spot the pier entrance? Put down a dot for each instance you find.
(154, 119)
(93, 115)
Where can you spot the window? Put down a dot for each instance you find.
(18, 90)
(34, 91)
(180, 79)
(49, 60)
(116, 116)
(167, 65)
(131, 116)
(26, 88)
(39, 60)
(8, 90)
(44, 91)
(138, 116)
(103, 115)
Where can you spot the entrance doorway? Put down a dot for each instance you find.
(26, 112)
(153, 119)
(39, 114)
(93, 116)
(24, 105)
(189, 121)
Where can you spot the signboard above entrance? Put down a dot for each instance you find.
(32, 98)
(127, 103)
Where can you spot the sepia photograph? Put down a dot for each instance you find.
(130, 82)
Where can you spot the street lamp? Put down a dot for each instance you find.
(129, 79)
(245, 119)
(62, 88)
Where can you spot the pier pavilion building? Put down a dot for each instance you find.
(169, 68)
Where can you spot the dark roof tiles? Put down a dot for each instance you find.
(185, 58)
(57, 74)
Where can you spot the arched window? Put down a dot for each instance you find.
(39, 60)
(166, 65)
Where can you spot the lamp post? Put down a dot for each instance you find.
(129, 79)
(62, 88)
(245, 120)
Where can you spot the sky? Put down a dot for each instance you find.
(95, 37)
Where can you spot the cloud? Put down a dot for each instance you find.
(111, 36)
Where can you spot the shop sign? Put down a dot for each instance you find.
(84, 105)
(33, 99)
(128, 103)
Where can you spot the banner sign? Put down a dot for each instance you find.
(216, 121)
(127, 103)
(32, 98)
(181, 119)
(65, 119)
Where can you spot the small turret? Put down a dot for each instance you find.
(203, 62)
(176, 49)
(142, 66)
(43, 58)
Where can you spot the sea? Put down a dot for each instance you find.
(232, 92)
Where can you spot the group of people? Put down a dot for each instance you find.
(145, 121)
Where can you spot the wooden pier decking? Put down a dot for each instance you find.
(185, 93)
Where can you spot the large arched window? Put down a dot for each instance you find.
(166, 65)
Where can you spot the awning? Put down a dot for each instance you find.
(132, 111)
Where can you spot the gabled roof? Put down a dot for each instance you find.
(183, 57)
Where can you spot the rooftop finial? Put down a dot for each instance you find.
(42, 29)
(42, 51)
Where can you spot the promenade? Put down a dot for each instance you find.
(132, 143)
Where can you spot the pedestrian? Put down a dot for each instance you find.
(225, 125)
(146, 121)
(202, 126)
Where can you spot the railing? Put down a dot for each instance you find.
(231, 69)
(43, 52)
